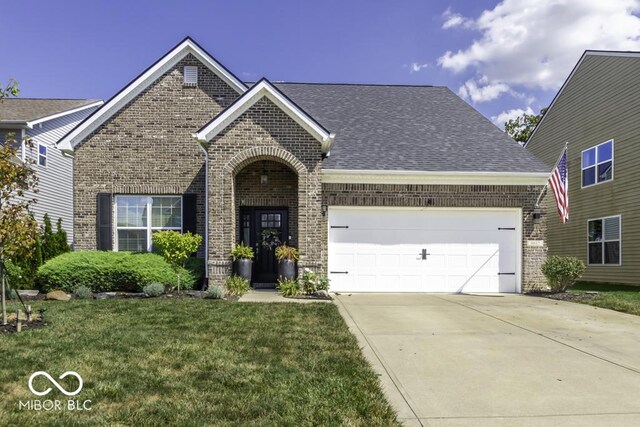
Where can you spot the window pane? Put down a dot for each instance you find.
(595, 253)
(612, 253)
(595, 230)
(612, 228)
(166, 212)
(605, 152)
(42, 161)
(42, 150)
(132, 211)
(589, 158)
(132, 240)
(589, 176)
(605, 171)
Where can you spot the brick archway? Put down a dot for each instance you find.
(226, 197)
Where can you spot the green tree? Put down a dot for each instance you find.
(61, 239)
(522, 127)
(18, 228)
(176, 248)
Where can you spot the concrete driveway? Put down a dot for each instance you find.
(499, 360)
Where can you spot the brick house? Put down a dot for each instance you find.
(383, 188)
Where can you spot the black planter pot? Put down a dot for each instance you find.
(287, 269)
(243, 268)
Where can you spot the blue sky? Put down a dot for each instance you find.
(502, 57)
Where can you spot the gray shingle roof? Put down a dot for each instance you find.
(29, 109)
(415, 128)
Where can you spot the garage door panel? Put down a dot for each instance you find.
(381, 250)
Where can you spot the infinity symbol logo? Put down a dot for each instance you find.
(55, 383)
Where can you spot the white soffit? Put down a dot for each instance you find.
(337, 176)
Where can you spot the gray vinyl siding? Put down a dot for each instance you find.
(55, 181)
(600, 102)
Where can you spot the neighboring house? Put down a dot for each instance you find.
(383, 188)
(596, 113)
(44, 122)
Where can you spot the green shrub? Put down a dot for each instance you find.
(83, 292)
(310, 282)
(110, 271)
(288, 287)
(562, 272)
(236, 286)
(214, 292)
(285, 252)
(53, 244)
(240, 251)
(153, 289)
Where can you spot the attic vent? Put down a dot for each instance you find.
(190, 76)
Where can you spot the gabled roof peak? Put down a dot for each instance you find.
(145, 79)
(264, 88)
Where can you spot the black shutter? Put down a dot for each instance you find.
(103, 223)
(189, 212)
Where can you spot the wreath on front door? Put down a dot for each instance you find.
(270, 238)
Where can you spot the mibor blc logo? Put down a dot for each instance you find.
(55, 405)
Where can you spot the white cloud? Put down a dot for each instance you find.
(536, 44)
(507, 115)
(453, 20)
(487, 92)
(416, 67)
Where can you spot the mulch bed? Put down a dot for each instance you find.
(11, 328)
(566, 296)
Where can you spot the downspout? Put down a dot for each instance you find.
(206, 210)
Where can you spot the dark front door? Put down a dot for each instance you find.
(264, 229)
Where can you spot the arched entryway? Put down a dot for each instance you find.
(266, 211)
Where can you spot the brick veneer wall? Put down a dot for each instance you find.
(264, 132)
(456, 196)
(281, 190)
(147, 147)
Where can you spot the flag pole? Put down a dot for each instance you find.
(544, 189)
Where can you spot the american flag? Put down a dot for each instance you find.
(560, 185)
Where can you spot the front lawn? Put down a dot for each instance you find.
(193, 362)
(617, 297)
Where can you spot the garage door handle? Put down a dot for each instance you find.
(338, 272)
(506, 274)
(339, 226)
(506, 228)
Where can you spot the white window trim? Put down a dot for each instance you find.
(23, 146)
(602, 264)
(149, 228)
(613, 169)
(46, 155)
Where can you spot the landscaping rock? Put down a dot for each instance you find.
(31, 293)
(195, 294)
(105, 295)
(58, 296)
(322, 293)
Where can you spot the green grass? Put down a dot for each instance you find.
(625, 298)
(194, 362)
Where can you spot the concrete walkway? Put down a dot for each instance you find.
(506, 360)
(272, 295)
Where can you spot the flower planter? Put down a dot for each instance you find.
(287, 269)
(243, 268)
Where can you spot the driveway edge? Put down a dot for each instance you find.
(391, 387)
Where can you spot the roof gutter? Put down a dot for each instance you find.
(340, 176)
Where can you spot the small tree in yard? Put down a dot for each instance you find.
(18, 228)
(176, 248)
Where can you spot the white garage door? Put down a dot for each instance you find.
(424, 250)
